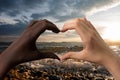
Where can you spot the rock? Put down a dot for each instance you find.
(99, 78)
(51, 77)
(36, 73)
(102, 70)
(74, 78)
(54, 70)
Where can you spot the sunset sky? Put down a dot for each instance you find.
(16, 14)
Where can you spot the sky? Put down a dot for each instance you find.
(15, 15)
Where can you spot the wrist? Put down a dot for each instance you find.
(5, 64)
(4, 67)
(112, 64)
(110, 57)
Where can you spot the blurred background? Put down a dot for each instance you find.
(16, 15)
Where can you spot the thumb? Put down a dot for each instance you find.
(49, 55)
(73, 55)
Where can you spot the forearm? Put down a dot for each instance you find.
(106, 56)
(112, 63)
(3, 68)
(5, 63)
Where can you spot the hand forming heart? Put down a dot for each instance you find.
(24, 48)
(95, 49)
(94, 46)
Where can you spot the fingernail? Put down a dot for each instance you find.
(56, 31)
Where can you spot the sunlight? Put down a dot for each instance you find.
(112, 32)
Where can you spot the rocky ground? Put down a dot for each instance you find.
(49, 69)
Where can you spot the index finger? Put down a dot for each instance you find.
(51, 26)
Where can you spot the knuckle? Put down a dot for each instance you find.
(45, 21)
(77, 19)
(34, 21)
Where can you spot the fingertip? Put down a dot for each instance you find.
(56, 58)
(62, 59)
(62, 30)
(65, 57)
(56, 31)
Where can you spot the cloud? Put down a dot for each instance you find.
(16, 14)
(8, 38)
(58, 9)
(12, 29)
(67, 9)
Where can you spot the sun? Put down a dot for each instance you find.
(112, 32)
